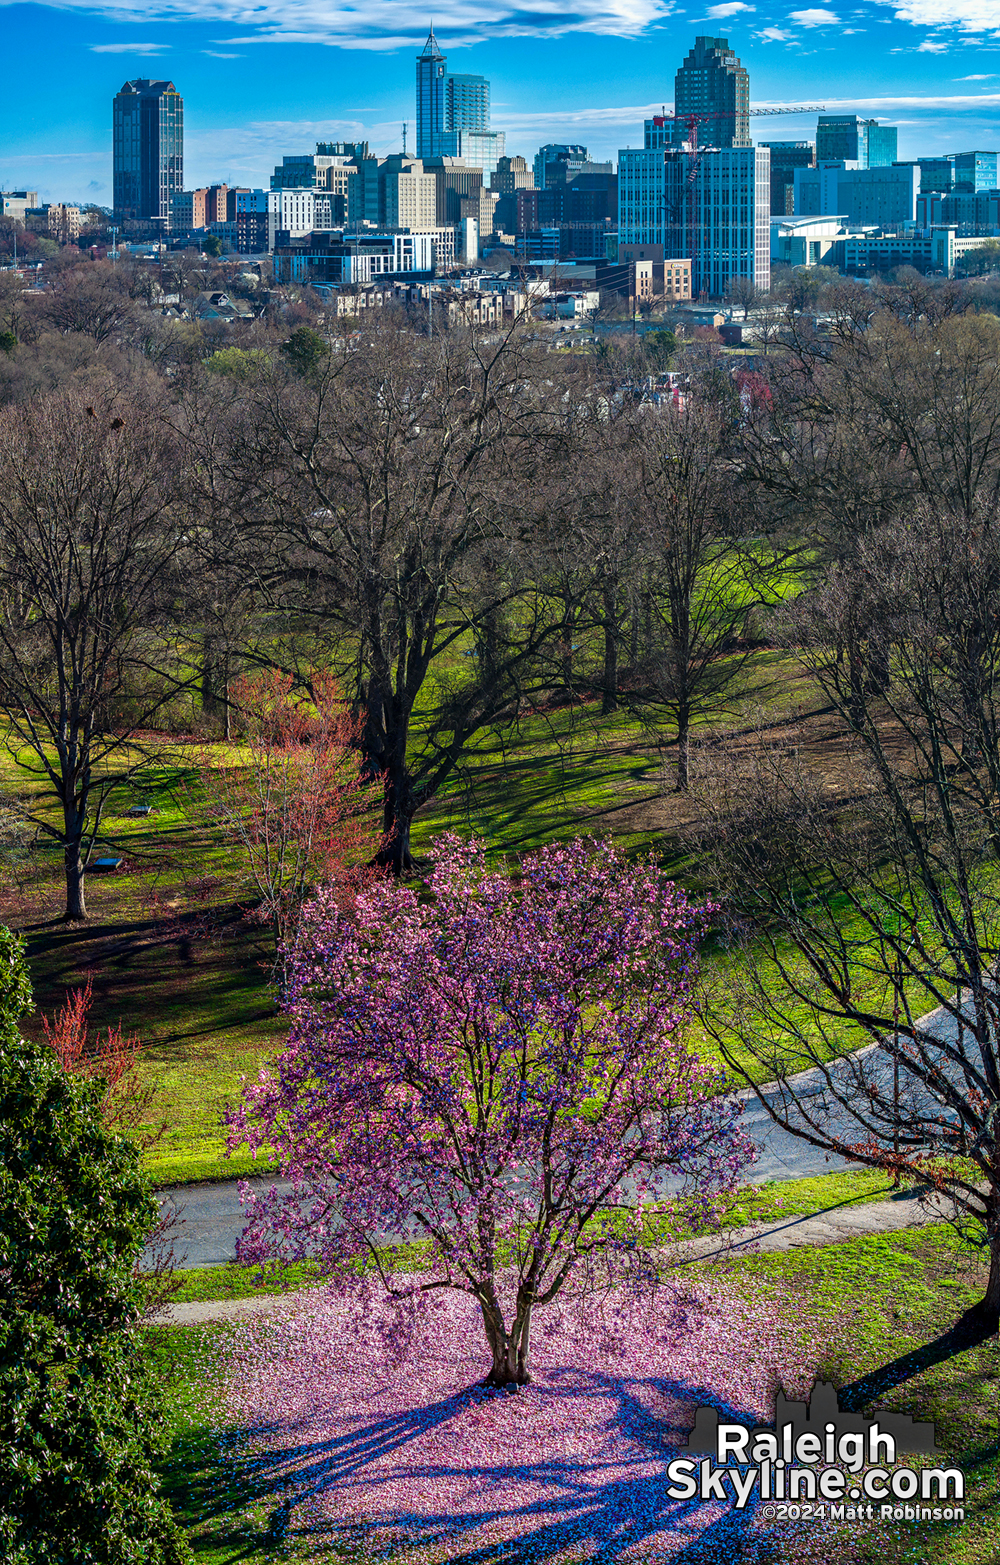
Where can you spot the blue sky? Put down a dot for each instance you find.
(261, 79)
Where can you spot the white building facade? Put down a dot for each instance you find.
(298, 212)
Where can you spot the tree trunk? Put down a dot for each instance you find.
(972, 684)
(609, 702)
(394, 854)
(397, 815)
(510, 1350)
(567, 658)
(209, 695)
(76, 903)
(989, 1307)
(878, 665)
(856, 706)
(683, 749)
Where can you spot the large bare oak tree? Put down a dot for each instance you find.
(396, 507)
(868, 913)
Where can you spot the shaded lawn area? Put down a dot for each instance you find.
(567, 770)
(197, 998)
(171, 958)
(170, 955)
(215, 1497)
(871, 1297)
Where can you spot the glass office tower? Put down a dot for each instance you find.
(712, 83)
(848, 139)
(148, 151)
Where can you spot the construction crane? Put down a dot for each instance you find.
(697, 117)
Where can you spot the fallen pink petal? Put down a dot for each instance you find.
(394, 1444)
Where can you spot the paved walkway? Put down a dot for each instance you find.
(837, 1223)
(210, 1216)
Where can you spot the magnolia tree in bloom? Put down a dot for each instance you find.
(499, 1070)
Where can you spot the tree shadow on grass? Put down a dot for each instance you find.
(970, 1331)
(204, 1483)
(580, 1508)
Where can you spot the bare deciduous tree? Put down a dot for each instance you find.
(87, 547)
(397, 504)
(889, 407)
(698, 587)
(93, 298)
(744, 294)
(861, 911)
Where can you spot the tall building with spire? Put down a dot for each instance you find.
(712, 82)
(453, 112)
(432, 71)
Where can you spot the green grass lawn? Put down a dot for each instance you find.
(214, 1498)
(201, 1006)
(874, 1298)
(770, 1202)
(173, 959)
(169, 952)
(883, 1296)
(568, 770)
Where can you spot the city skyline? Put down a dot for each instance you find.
(274, 97)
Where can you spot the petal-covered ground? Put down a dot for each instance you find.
(376, 1428)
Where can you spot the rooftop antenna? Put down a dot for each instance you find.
(404, 138)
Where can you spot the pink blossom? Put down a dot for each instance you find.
(499, 1071)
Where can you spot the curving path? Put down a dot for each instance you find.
(845, 1221)
(210, 1216)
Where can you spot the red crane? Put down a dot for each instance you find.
(697, 117)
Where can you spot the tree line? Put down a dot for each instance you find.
(462, 527)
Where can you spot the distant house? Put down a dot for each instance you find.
(219, 307)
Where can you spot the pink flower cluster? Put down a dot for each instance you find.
(408, 1456)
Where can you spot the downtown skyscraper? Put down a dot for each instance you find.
(853, 140)
(713, 85)
(453, 113)
(148, 142)
(711, 207)
(708, 202)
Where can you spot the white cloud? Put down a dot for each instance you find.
(128, 48)
(953, 103)
(974, 78)
(933, 46)
(715, 13)
(815, 18)
(389, 24)
(773, 35)
(246, 154)
(971, 16)
(216, 55)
